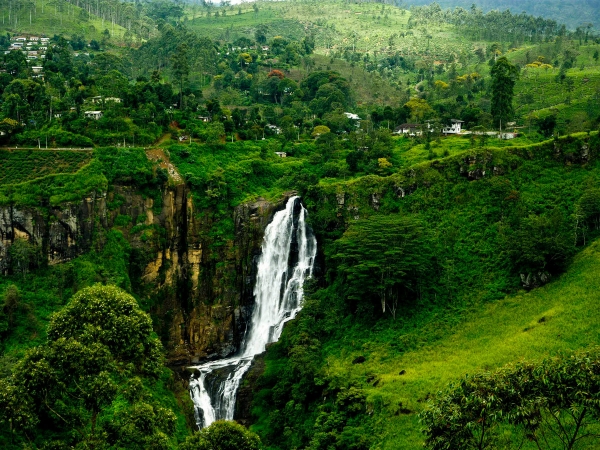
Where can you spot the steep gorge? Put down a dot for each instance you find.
(199, 290)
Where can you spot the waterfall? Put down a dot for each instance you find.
(286, 260)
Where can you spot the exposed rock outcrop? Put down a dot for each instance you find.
(202, 292)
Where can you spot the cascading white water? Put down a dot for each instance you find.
(287, 259)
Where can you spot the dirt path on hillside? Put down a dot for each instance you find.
(158, 155)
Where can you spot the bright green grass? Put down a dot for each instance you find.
(18, 166)
(560, 317)
(408, 152)
(45, 20)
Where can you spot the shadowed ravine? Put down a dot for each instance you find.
(287, 257)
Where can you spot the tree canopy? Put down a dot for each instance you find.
(85, 386)
(554, 404)
(222, 435)
(383, 257)
(504, 76)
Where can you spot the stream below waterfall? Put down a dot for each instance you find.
(287, 258)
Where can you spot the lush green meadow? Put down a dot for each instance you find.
(558, 318)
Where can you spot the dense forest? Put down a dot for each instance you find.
(448, 160)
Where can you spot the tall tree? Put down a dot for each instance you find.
(385, 257)
(504, 77)
(180, 66)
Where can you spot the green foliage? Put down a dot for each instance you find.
(24, 165)
(222, 435)
(24, 255)
(552, 403)
(84, 384)
(385, 257)
(541, 244)
(108, 316)
(57, 188)
(504, 76)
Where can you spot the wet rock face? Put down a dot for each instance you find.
(207, 292)
(202, 295)
(60, 233)
(245, 394)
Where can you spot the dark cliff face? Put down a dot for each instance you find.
(61, 233)
(201, 294)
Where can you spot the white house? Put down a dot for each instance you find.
(34, 38)
(93, 114)
(409, 129)
(45, 40)
(37, 69)
(454, 128)
(274, 128)
(113, 99)
(281, 154)
(203, 118)
(353, 117)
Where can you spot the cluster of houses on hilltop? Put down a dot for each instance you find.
(33, 47)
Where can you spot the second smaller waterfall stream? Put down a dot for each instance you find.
(287, 259)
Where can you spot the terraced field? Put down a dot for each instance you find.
(17, 166)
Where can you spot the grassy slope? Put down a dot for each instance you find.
(559, 317)
(49, 23)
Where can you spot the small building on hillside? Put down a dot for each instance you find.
(454, 128)
(203, 118)
(93, 114)
(352, 116)
(281, 154)
(409, 129)
(273, 129)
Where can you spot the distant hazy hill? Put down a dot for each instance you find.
(573, 13)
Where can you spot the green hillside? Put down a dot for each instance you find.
(46, 18)
(572, 13)
(523, 327)
(449, 161)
